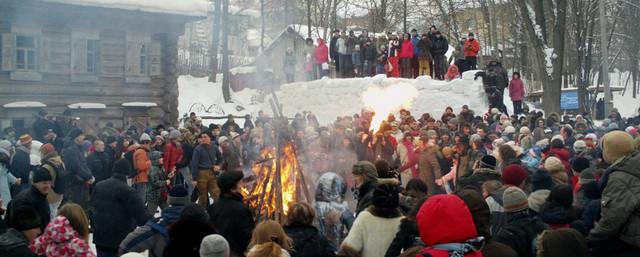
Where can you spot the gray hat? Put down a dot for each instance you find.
(514, 200)
(366, 169)
(145, 137)
(579, 146)
(214, 246)
(537, 199)
(174, 134)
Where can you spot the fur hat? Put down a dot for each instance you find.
(386, 196)
(214, 246)
(579, 146)
(488, 161)
(41, 174)
(537, 199)
(579, 164)
(122, 167)
(513, 175)
(178, 195)
(366, 169)
(514, 200)
(616, 145)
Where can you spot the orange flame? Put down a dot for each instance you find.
(387, 100)
(266, 193)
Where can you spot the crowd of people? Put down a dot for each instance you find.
(463, 184)
(406, 55)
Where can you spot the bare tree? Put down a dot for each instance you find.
(215, 41)
(226, 89)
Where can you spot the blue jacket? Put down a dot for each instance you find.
(415, 41)
(153, 236)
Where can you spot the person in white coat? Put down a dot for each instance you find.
(6, 178)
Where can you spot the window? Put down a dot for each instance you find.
(93, 55)
(143, 59)
(25, 53)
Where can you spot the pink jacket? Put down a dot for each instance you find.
(406, 51)
(60, 240)
(322, 52)
(516, 90)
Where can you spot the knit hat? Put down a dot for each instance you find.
(25, 218)
(122, 167)
(6, 145)
(75, 132)
(25, 139)
(633, 132)
(174, 134)
(615, 145)
(488, 161)
(553, 165)
(366, 169)
(514, 200)
(178, 195)
(580, 164)
(47, 149)
(588, 175)
(537, 199)
(222, 139)
(509, 130)
(41, 174)
(228, 180)
(145, 137)
(386, 196)
(525, 131)
(579, 146)
(475, 138)
(540, 180)
(214, 246)
(513, 175)
(591, 136)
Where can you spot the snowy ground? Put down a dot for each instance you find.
(329, 98)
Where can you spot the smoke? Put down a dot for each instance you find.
(388, 100)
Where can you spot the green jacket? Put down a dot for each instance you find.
(621, 203)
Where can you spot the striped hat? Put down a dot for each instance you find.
(514, 200)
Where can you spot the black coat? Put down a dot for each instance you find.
(118, 210)
(75, 164)
(407, 237)
(365, 196)
(100, 165)
(32, 198)
(308, 242)
(13, 243)
(519, 233)
(439, 46)
(20, 163)
(233, 220)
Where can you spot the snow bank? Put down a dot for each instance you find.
(330, 98)
(178, 7)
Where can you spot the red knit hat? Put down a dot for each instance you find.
(513, 175)
(47, 149)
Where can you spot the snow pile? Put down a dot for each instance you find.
(330, 98)
(181, 7)
(205, 99)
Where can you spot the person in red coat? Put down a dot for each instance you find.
(516, 92)
(172, 153)
(321, 58)
(471, 49)
(406, 55)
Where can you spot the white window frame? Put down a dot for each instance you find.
(26, 50)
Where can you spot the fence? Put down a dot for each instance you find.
(196, 62)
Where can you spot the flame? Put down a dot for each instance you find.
(387, 100)
(264, 196)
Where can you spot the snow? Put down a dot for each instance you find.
(87, 106)
(237, 10)
(139, 104)
(330, 98)
(242, 70)
(178, 7)
(26, 104)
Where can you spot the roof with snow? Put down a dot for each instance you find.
(87, 106)
(26, 104)
(139, 104)
(176, 7)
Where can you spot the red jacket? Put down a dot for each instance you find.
(406, 50)
(172, 154)
(445, 219)
(471, 48)
(322, 52)
(516, 90)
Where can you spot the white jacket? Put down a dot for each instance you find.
(371, 235)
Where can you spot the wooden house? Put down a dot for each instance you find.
(103, 61)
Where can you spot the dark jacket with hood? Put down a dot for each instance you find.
(477, 178)
(365, 196)
(153, 236)
(519, 232)
(20, 163)
(13, 243)
(100, 165)
(308, 242)
(31, 198)
(233, 220)
(75, 164)
(620, 202)
(118, 210)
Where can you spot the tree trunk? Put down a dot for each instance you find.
(215, 41)
(553, 90)
(226, 90)
(262, 24)
(309, 19)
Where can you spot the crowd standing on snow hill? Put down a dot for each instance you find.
(512, 185)
(406, 55)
